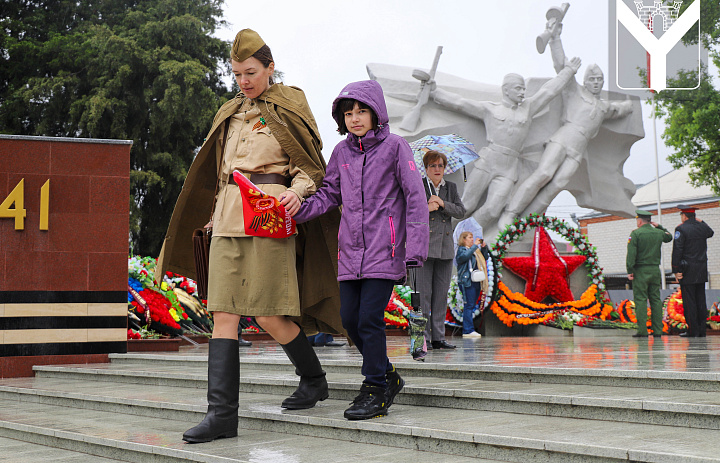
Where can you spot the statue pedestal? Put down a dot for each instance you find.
(493, 327)
(584, 332)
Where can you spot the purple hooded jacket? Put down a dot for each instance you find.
(382, 196)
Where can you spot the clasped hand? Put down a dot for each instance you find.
(435, 203)
(290, 201)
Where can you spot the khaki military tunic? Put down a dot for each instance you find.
(252, 276)
(252, 149)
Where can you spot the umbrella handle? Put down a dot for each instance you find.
(414, 295)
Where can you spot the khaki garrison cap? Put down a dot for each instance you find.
(246, 43)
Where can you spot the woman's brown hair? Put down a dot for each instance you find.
(264, 55)
(432, 156)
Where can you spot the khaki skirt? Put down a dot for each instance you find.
(253, 276)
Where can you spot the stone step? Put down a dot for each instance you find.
(125, 422)
(628, 378)
(19, 451)
(681, 408)
(44, 432)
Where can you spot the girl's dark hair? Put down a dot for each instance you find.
(347, 104)
(264, 55)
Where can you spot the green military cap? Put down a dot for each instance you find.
(246, 43)
(641, 213)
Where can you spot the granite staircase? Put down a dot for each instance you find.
(137, 407)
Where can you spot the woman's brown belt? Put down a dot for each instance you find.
(264, 179)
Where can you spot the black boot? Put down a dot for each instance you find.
(370, 403)
(313, 385)
(394, 385)
(223, 390)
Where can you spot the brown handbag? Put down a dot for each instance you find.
(201, 248)
(201, 239)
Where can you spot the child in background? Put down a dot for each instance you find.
(383, 231)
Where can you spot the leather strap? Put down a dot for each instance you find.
(265, 179)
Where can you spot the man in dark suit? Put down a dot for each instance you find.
(433, 283)
(689, 263)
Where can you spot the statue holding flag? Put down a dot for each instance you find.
(584, 111)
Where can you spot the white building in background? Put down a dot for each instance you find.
(609, 233)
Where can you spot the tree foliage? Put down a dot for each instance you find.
(145, 70)
(692, 117)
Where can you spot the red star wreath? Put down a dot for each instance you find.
(546, 272)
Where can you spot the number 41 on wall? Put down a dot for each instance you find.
(16, 198)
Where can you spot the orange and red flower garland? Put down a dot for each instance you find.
(511, 307)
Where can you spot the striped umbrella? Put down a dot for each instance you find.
(457, 150)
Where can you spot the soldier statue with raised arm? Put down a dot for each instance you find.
(507, 125)
(583, 114)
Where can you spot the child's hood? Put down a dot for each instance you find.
(369, 92)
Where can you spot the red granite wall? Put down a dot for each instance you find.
(86, 245)
(63, 290)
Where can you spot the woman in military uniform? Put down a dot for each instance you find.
(269, 134)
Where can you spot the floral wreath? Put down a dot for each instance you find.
(512, 307)
(455, 299)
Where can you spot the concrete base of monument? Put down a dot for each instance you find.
(493, 327)
(585, 332)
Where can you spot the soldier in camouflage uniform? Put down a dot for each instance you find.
(643, 267)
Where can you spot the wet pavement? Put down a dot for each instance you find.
(623, 352)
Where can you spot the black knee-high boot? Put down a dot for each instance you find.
(223, 386)
(313, 385)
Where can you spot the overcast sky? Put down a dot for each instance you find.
(321, 45)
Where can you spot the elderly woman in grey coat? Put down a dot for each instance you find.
(433, 282)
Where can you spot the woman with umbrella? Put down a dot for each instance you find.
(444, 204)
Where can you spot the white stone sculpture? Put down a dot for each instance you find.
(598, 181)
(507, 125)
(583, 114)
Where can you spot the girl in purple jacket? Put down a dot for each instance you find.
(372, 174)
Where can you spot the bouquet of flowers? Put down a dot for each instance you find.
(396, 311)
(674, 313)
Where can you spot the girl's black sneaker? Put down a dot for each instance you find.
(394, 385)
(370, 403)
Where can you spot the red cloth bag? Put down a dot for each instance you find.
(263, 215)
